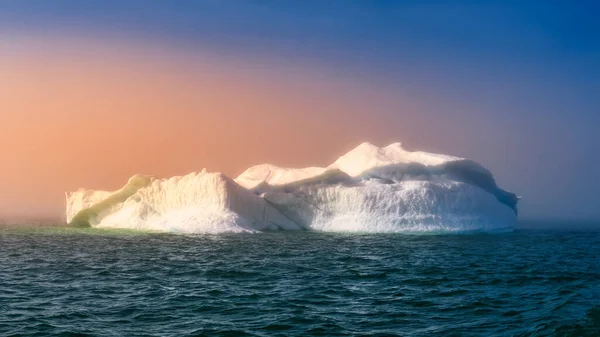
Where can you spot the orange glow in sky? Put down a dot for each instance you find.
(81, 114)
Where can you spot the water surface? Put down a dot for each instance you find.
(531, 282)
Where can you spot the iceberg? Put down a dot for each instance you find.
(369, 189)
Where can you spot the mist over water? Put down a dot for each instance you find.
(59, 280)
(95, 92)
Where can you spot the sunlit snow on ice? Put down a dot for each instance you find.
(369, 189)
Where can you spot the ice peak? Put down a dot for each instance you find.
(396, 145)
(140, 180)
(367, 156)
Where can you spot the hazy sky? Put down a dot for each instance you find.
(92, 92)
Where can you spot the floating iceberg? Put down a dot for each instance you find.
(369, 189)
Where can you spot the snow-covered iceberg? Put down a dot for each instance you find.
(369, 189)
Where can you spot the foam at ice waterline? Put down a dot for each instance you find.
(369, 189)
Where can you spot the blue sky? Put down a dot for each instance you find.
(512, 84)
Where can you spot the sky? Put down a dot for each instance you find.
(92, 92)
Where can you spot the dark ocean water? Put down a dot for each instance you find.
(63, 281)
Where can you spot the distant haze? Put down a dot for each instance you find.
(88, 103)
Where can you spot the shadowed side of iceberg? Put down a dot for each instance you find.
(440, 194)
(378, 205)
(463, 170)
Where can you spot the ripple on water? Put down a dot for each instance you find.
(112, 283)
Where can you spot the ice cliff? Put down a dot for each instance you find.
(369, 189)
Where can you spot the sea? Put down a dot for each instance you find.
(536, 281)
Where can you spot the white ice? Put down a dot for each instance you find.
(369, 189)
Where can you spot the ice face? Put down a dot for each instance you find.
(195, 203)
(369, 189)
